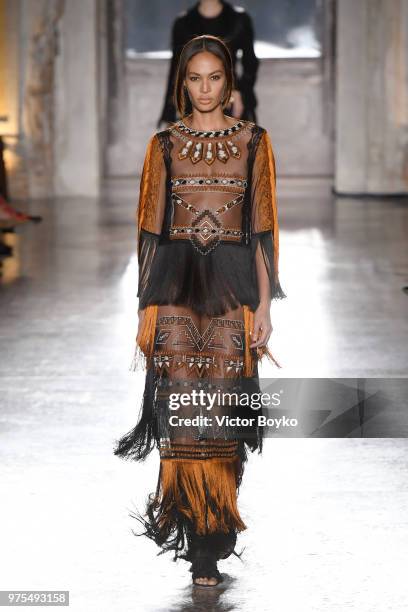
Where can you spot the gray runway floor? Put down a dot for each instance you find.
(328, 520)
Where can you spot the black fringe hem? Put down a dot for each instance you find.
(179, 536)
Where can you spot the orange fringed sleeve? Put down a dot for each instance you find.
(273, 206)
(264, 206)
(150, 210)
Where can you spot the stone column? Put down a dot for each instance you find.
(372, 97)
(77, 134)
(39, 33)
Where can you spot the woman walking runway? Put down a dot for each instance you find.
(208, 249)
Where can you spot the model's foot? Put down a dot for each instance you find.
(204, 567)
(206, 581)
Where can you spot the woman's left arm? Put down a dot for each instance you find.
(265, 237)
(262, 327)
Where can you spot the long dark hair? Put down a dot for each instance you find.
(214, 45)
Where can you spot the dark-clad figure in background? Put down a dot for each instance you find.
(234, 26)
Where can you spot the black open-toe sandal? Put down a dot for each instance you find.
(204, 565)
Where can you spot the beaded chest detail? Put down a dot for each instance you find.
(207, 228)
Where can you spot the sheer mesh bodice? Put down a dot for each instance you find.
(206, 200)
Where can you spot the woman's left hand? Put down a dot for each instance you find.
(262, 326)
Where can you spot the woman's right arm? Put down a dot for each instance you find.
(150, 212)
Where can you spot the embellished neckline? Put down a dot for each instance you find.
(210, 133)
(209, 145)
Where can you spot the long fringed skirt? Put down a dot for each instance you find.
(202, 456)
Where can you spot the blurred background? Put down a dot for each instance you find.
(83, 85)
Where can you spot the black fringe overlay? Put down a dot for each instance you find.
(223, 279)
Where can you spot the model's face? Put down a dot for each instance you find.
(205, 81)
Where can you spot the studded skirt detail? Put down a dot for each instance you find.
(202, 457)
